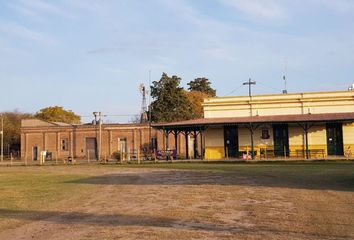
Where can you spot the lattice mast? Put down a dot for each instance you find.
(143, 111)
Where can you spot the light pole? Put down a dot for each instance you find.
(98, 114)
(2, 137)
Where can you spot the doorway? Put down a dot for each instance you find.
(123, 147)
(231, 141)
(334, 139)
(91, 148)
(281, 140)
(35, 153)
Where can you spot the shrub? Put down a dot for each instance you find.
(116, 155)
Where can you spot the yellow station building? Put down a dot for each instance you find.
(299, 125)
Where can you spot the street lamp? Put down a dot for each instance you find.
(98, 114)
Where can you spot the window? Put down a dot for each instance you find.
(64, 144)
(265, 134)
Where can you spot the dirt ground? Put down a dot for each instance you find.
(129, 203)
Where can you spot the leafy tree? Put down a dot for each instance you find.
(170, 102)
(57, 114)
(202, 85)
(12, 129)
(196, 99)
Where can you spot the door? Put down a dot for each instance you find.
(231, 141)
(91, 148)
(35, 153)
(281, 140)
(334, 139)
(123, 147)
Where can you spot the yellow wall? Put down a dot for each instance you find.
(244, 136)
(214, 137)
(348, 136)
(317, 139)
(279, 104)
(214, 143)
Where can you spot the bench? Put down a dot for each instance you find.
(311, 153)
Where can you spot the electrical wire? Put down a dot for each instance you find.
(239, 87)
(264, 85)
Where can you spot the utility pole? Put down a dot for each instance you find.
(249, 83)
(150, 148)
(100, 132)
(2, 137)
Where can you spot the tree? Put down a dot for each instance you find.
(12, 130)
(196, 99)
(202, 85)
(170, 102)
(57, 114)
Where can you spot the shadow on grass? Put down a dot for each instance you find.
(121, 220)
(114, 220)
(297, 178)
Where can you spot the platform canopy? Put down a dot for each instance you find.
(305, 121)
(202, 123)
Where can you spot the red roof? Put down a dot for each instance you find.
(325, 117)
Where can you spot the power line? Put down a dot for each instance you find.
(264, 85)
(239, 87)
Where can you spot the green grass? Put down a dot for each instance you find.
(32, 190)
(29, 188)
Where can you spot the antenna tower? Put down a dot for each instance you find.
(143, 111)
(285, 90)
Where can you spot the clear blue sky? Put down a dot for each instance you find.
(91, 55)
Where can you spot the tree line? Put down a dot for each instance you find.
(12, 124)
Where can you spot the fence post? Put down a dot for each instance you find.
(155, 155)
(138, 156)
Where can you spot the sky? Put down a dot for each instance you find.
(92, 55)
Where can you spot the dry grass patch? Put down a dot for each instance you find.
(179, 201)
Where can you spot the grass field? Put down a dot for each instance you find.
(313, 200)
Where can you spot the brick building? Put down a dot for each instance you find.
(81, 141)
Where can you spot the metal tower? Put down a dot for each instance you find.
(143, 111)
